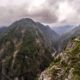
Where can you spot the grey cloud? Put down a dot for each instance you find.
(12, 13)
(46, 14)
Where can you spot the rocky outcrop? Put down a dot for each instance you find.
(66, 65)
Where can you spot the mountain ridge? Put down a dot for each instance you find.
(25, 51)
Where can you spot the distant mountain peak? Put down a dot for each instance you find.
(63, 28)
(23, 21)
(26, 19)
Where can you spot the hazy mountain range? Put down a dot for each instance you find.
(63, 28)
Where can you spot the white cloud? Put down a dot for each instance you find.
(36, 5)
(65, 10)
(12, 2)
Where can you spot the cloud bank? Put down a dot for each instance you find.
(45, 11)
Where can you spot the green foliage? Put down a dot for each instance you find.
(63, 64)
(29, 46)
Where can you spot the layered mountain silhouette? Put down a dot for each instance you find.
(62, 29)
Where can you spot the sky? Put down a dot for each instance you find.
(45, 11)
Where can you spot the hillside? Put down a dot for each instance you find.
(64, 39)
(64, 28)
(66, 65)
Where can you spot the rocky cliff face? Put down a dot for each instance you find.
(66, 65)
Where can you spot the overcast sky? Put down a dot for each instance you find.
(45, 11)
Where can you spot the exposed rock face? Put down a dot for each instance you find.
(66, 65)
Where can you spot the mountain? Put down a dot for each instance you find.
(3, 29)
(67, 36)
(61, 29)
(26, 49)
(74, 32)
(50, 36)
(66, 65)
